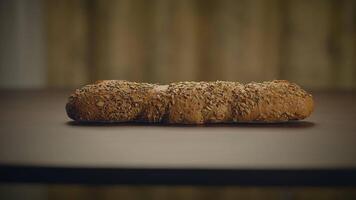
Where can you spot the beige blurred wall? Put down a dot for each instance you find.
(22, 44)
(309, 42)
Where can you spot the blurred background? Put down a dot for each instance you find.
(68, 43)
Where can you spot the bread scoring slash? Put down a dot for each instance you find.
(190, 102)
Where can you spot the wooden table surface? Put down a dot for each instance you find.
(37, 136)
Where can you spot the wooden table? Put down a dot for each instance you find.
(38, 143)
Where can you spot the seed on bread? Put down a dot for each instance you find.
(189, 102)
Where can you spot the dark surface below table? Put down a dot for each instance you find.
(38, 143)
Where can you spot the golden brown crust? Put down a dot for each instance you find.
(190, 102)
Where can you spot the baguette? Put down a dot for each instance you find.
(189, 102)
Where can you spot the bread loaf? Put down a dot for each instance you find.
(189, 102)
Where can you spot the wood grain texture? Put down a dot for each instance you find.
(67, 39)
(311, 43)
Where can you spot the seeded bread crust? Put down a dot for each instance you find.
(190, 102)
